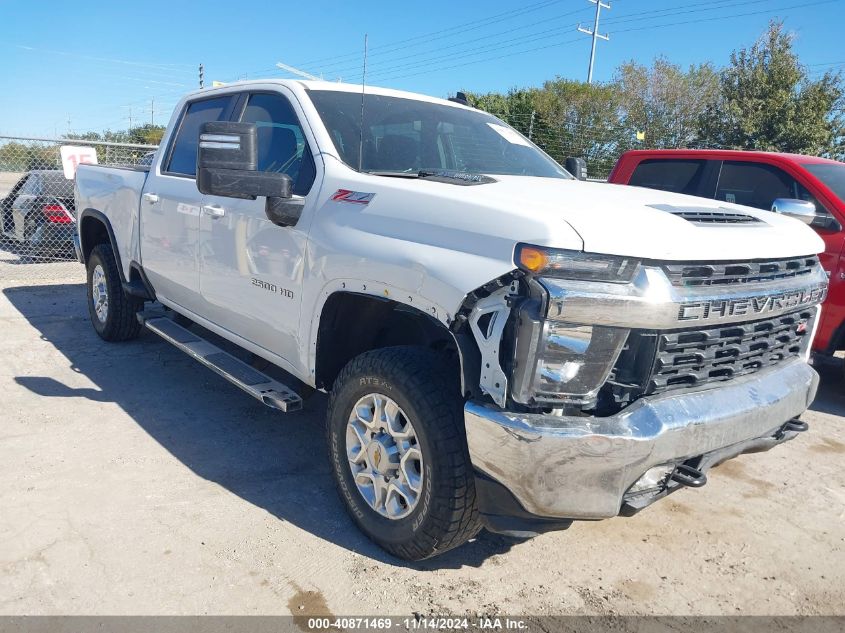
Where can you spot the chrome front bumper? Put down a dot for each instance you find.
(582, 467)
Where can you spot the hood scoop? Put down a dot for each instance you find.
(707, 215)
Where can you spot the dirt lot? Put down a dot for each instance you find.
(137, 482)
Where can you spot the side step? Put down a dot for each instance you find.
(260, 386)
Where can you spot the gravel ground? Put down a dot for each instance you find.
(137, 482)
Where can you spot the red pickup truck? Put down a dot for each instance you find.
(802, 186)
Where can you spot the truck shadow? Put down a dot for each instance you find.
(831, 395)
(271, 460)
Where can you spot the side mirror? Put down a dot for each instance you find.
(798, 209)
(227, 162)
(577, 167)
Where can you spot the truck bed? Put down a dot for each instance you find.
(116, 193)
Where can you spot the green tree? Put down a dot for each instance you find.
(147, 134)
(516, 107)
(664, 102)
(768, 101)
(579, 119)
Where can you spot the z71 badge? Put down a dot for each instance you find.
(354, 197)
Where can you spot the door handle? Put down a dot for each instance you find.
(213, 210)
(152, 198)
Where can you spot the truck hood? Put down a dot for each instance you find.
(611, 219)
(647, 223)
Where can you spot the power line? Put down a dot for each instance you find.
(388, 66)
(440, 34)
(594, 33)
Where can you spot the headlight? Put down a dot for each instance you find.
(555, 262)
(558, 362)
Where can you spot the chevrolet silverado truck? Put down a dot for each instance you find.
(503, 346)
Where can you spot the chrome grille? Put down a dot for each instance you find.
(691, 358)
(735, 273)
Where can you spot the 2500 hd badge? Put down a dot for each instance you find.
(266, 285)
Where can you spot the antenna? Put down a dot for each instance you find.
(363, 88)
(295, 71)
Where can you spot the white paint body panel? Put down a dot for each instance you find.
(418, 242)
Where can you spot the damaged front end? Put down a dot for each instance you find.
(605, 382)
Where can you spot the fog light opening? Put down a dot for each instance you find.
(654, 479)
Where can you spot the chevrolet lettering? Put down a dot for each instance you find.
(717, 309)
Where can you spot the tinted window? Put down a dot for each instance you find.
(32, 186)
(281, 143)
(55, 183)
(758, 185)
(408, 135)
(831, 175)
(183, 158)
(679, 176)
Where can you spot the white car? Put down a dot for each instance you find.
(504, 345)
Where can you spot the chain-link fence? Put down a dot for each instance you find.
(37, 212)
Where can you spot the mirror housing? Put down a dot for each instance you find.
(577, 167)
(798, 209)
(227, 161)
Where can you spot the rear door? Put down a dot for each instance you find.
(170, 207)
(251, 270)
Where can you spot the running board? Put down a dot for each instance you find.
(260, 386)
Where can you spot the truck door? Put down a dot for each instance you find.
(251, 270)
(170, 208)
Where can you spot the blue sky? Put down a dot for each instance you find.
(90, 65)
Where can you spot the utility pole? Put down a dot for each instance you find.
(152, 111)
(202, 78)
(594, 33)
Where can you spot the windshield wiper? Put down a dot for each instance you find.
(439, 175)
(394, 174)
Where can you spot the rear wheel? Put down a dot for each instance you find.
(398, 452)
(112, 311)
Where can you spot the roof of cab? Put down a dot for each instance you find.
(325, 85)
(729, 153)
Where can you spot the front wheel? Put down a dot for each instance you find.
(112, 311)
(398, 452)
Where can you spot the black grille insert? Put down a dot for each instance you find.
(734, 273)
(654, 362)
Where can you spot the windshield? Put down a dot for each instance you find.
(831, 174)
(406, 136)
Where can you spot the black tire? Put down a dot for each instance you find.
(120, 322)
(446, 514)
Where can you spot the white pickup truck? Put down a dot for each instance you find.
(504, 346)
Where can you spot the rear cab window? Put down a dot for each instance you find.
(676, 175)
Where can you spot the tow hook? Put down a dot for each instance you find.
(688, 476)
(794, 426)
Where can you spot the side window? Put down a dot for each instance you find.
(281, 144)
(677, 175)
(801, 193)
(183, 156)
(758, 185)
